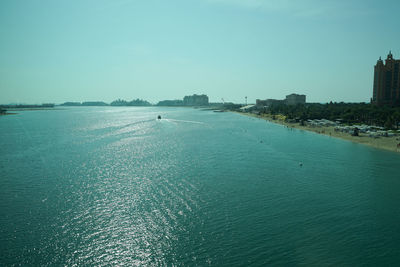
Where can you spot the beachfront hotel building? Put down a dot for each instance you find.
(295, 99)
(387, 82)
(292, 99)
(195, 100)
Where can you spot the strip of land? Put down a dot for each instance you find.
(386, 143)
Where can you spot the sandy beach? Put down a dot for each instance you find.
(386, 143)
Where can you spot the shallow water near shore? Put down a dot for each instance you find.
(117, 186)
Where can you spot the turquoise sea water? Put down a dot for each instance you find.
(114, 186)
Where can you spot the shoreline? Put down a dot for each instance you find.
(385, 143)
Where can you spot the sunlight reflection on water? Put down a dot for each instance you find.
(120, 187)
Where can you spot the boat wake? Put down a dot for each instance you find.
(175, 121)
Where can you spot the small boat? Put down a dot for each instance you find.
(159, 117)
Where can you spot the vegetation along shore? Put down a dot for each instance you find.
(358, 123)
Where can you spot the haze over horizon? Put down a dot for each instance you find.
(57, 51)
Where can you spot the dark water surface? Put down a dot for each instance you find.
(116, 186)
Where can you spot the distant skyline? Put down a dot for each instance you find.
(102, 50)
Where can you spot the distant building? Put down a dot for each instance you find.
(195, 100)
(292, 99)
(295, 99)
(268, 102)
(386, 82)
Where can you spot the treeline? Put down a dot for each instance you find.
(48, 105)
(170, 103)
(87, 103)
(119, 102)
(351, 113)
(135, 102)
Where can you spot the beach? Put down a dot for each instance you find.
(386, 143)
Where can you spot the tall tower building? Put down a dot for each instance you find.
(387, 82)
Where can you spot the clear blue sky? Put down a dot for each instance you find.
(56, 51)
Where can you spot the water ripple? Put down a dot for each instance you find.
(119, 187)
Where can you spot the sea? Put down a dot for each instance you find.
(115, 186)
